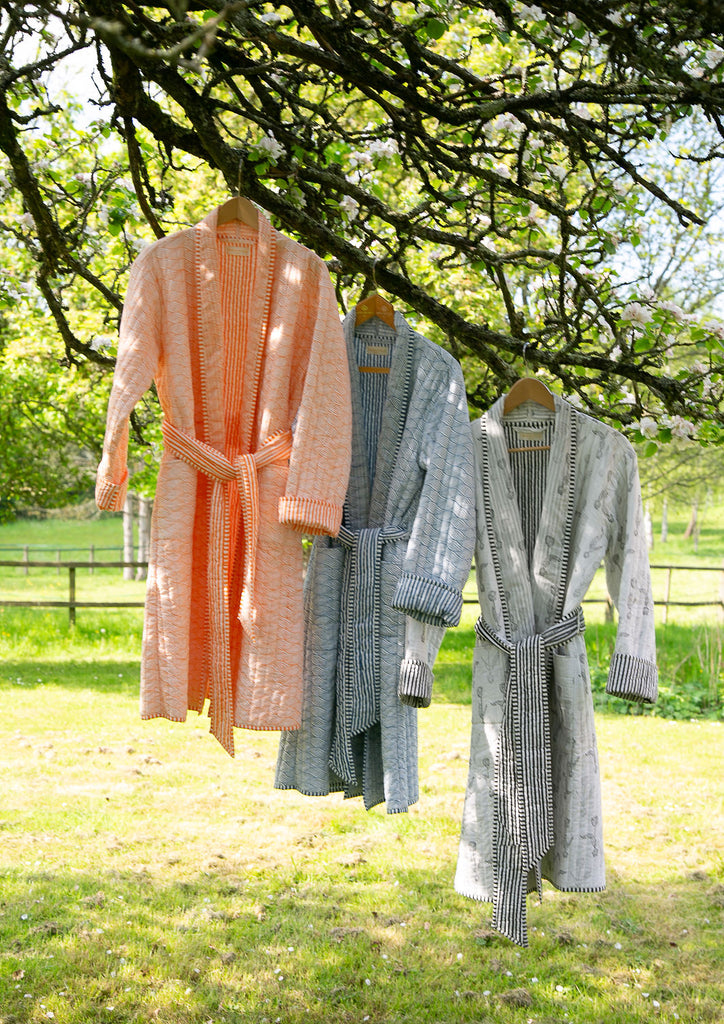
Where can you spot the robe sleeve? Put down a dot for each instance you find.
(138, 356)
(632, 672)
(440, 548)
(321, 454)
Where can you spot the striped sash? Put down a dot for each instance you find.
(523, 804)
(358, 688)
(242, 473)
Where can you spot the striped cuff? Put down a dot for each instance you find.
(310, 515)
(428, 600)
(415, 687)
(110, 496)
(632, 678)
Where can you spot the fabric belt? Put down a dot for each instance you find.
(242, 473)
(523, 804)
(358, 689)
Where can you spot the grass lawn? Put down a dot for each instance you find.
(145, 876)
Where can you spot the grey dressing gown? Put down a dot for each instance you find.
(379, 597)
(545, 520)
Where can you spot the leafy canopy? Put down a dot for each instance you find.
(495, 167)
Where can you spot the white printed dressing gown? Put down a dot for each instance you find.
(546, 518)
(379, 596)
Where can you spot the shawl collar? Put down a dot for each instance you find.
(366, 502)
(528, 602)
(210, 328)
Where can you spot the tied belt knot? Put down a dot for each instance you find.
(241, 472)
(523, 798)
(358, 697)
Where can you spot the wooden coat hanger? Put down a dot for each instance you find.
(374, 305)
(239, 208)
(529, 389)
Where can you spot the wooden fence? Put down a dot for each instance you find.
(72, 603)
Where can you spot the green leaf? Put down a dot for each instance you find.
(650, 449)
(435, 28)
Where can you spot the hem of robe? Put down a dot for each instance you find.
(147, 716)
(310, 515)
(428, 600)
(111, 496)
(632, 678)
(355, 795)
(485, 898)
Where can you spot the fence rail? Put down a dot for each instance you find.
(72, 603)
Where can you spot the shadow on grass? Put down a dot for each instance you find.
(118, 677)
(126, 946)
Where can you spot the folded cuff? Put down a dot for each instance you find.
(415, 687)
(632, 678)
(428, 600)
(111, 496)
(310, 515)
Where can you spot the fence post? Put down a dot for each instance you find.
(668, 594)
(71, 594)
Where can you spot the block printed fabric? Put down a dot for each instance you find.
(546, 518)
(379, 597)
(240, 330)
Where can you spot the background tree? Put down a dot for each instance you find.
(477, 161)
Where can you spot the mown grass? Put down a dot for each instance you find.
(145, 876)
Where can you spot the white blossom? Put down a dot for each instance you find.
(349, 207)
(676, 311)
(647, 426)
(101, 341)
(715, 327)
(360, 158)
(269, 145)
(682, 428)
(712, 58)
(531, 12)
(383, 148)
(616, 352)
(557, 171)
(636, 313)
(582, 112)
(26, 220)
(502, 170)
(681, 50)
(271, 18)
(616, 17)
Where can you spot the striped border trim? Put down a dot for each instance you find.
(428, 600)
(416, 681)
(632, 678)
(312, 515)
(112, 496)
